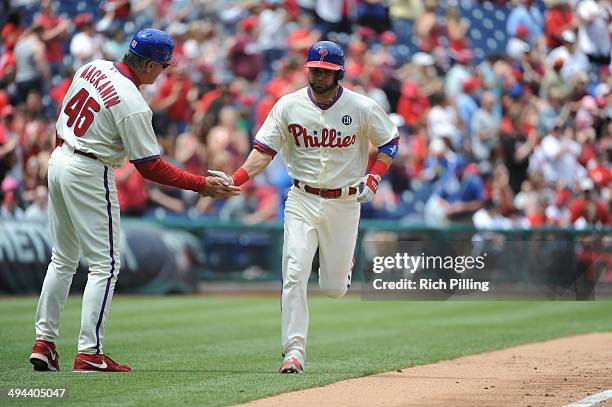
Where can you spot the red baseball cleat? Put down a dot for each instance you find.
(44, 357)
(97, 363)
(291, 365)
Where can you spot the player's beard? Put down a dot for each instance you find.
(321, 89)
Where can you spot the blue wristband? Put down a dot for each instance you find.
(391, 148)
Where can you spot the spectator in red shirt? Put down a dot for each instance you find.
(600, 173)
(7, 66)
(118, 9)
(290, 77)
(132, 190)
(410, 161)
(536, 216)
(456, 29)
(356, 61)
(59, 91)
(587, 209)
(303, 36)
(173, 98)
(557, 19)
(244, 59)
(427, 28)
(412, 106)
(12, 29)
(262, 109)
(54, 34)
(9, 141)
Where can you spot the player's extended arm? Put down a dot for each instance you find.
(159, 171)
(384, 159)
(256, 162)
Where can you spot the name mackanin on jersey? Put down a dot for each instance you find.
(105, 88)
(329, 137)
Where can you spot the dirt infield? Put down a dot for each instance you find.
(551, 373)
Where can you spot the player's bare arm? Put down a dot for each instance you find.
(255, 163)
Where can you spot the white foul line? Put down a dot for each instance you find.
(592, 400)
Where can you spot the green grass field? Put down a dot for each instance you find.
(211, 351)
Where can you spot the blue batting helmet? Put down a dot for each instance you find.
(154, 45)
(326, 55)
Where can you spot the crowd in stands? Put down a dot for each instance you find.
(511, 131)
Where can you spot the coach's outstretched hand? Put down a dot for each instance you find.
(221, 175)
(369, 183)
(218, 188)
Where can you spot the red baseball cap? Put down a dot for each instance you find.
(83, 19)
(522, 31)
(388, 37)
(248, 23)
(470, 84)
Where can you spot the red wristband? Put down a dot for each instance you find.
(240, 176)
(379, 168)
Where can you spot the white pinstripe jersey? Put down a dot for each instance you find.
(105, 114)
(325, 147)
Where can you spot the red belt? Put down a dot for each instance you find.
(324, 193)
(59, 142)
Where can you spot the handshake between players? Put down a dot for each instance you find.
(218, 187)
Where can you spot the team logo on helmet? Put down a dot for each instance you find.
(134, 43)
(323, 52)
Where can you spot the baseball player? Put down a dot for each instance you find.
(324, 132)
(104, 118)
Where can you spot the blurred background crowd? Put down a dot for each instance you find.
(503, 107)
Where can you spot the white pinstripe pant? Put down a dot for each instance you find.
(83, 217)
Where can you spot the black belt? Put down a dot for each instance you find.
(324, 193)
(84, 154)
(59, 142)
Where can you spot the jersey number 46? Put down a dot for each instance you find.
(80, 110)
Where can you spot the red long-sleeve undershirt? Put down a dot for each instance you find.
(159, 171)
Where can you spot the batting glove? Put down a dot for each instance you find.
(369, 183)
(222, 175)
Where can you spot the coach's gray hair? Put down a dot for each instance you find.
(135, 62)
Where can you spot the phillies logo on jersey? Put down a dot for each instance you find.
(323, 53)
(328, 138)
